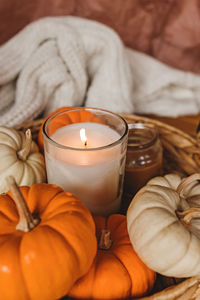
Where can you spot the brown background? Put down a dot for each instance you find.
(166, 29)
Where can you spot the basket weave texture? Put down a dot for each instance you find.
(181, 156)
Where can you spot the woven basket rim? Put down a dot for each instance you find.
(179, 146)
(127, 117)
(160, 124)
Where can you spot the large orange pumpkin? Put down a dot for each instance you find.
(44, 262)
(73, 116)
(117, 272)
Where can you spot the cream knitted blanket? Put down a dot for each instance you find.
(69, 61)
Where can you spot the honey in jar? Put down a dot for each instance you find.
(144, 156)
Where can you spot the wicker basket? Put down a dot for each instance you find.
(182, 156)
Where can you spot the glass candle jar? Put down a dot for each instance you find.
(144, 156)
(85, 154)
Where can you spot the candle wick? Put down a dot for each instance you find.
(85, 144)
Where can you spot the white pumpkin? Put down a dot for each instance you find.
(163, 222)
(19, 157)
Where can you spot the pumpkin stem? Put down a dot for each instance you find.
(188, 214)
(192, 212)
(26, 221)
(185, 182)
(24, 152)
(105, 240)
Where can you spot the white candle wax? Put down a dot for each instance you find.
(92, 173)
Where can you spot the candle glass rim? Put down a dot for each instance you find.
(64, 147)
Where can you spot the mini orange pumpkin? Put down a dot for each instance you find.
(117, 272)
(73, 116)
(44, 262)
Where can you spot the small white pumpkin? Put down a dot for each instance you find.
(163, 222)
(20, 157)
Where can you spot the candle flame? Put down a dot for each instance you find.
(83, 136)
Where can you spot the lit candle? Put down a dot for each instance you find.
(87, 160)
(83, 136)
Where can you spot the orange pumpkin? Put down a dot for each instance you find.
(117, 272)
(58, 248)
(73, 116)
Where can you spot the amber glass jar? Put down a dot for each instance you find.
(144, 156)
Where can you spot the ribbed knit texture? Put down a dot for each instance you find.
(69, 61)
